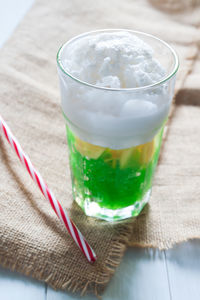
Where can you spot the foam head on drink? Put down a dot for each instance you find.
(114, 129)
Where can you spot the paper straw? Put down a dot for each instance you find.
(55, 204)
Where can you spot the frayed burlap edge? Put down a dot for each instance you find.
(165, 247)
(119, 246)
(47, 275)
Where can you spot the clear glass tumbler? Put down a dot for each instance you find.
(112, 170)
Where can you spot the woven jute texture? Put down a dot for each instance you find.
(173, 213)
(32, 241)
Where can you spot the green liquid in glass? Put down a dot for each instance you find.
(114, 179)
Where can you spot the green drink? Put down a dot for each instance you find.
(110, 182)
(116, 91)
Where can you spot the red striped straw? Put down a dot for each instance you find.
(55, 204)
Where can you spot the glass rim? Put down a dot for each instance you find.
(146, 87)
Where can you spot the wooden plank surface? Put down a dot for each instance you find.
(142, 275)
(14, 286)
(183, 267)
(11, 13)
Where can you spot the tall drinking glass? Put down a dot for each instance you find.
(112, 170)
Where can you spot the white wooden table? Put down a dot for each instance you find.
(144, 274)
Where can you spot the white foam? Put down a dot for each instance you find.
(138, 108)
(115, 119)
(107, 59)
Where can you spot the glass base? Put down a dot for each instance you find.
(93, 209)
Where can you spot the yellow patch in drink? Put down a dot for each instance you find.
(146, 152)
(88, 150)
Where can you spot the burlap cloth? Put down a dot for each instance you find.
(32, 240)
(173, 214)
